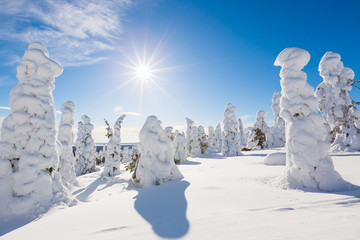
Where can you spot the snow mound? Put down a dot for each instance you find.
(278, 158)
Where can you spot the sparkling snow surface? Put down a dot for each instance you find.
(219, 198)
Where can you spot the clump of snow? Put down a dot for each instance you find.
(230, 143)
(180, 148)
(258, 134)
(113, 151)
(156, 163)
(336, 105)
(278, 158)
(276, 136)
(29, 153)
(66, 138)
(308, 164)
(85, 147)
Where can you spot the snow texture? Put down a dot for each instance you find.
(278, 158)
(180, 148)
(276, 136)
(336, 105)
(258, 134)
(113, 151)
(308, 164)
(85, 147)
(29, 152)
(230, 143)
(66, 138)
(156, 164)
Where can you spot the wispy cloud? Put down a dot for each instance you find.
(5, 108)
(6, 81)
(136, 114)
(118, 108)
(75, 32)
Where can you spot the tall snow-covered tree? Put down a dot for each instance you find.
(66, 138)
(336, 105)
(180, 148)
(218, 137)
(276, 136)
(241, 133)
(189, 130)
(156, 164)
(85, 147)
(230, 143)
(195, 142)
(28, 145)
(202, 139)
(308, 164)
(211, 140)
(258, 135)
(113, 151)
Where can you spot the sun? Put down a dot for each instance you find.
(143, 72)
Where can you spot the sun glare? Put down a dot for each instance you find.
(143, 72)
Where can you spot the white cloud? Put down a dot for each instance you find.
(5, 108)
(118, 108)
(75, 32)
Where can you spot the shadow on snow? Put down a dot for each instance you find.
(164, 207)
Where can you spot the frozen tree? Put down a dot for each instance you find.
(257, 137)
(113, 151)
(241, 133)
(126, 153)
(276, 136)
(156, 164)
(169, 133)
(195, 143)
(218, 137)
(66, 138)
(336, 105)
(85, 147)
(230, 143)
(29, 153)
(189, 129)
(211, 140)
(202, 139)
(180, 148)
(308, 164)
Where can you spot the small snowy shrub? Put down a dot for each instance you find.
(257, 137)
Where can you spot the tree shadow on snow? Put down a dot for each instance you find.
(190, 163)
(256, 155)
(164, 207)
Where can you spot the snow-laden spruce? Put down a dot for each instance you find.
(180, 148)
(66, 138)
(189, 130)
(202, 139)
(336, 105)
(211, 140)
(113, 151)
(218, 137)
(308, 164)
(276, 136)
(258, 135)
(29, 153)
(242, 141)
(156, 163)
(230, 142)
(85, 147)
(195, 148)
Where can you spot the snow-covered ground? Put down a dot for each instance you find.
(219, 198)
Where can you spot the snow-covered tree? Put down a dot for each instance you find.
(180, 148)
(189, 130)
(66, 138)
(28, 147)
(257, 138)
(276, 136)
(211, 140)
(85, 147)
(308, 164)
(194, 142)
(241, 133)
(336, 105)
(230, 143)
(126, 153)
(156, 164)
(218, 137)
(113, 151)
(202, 139)
(170, 133)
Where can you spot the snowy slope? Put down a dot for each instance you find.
(219, 198)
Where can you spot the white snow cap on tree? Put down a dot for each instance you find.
(230, 143)
(180, 148)
(85, 147)
(276, 136)
(218, 137)
(156, 164)
(336, 105)
(113, 151)
(28, 147)
(66, 138)
(308, 164)
(258, 135)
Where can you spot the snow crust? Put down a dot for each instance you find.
(156, 164)
(308, 163)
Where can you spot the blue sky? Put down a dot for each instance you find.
(209, 53)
